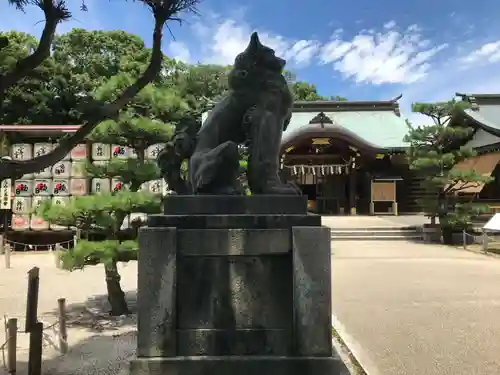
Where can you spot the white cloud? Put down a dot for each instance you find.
(390, 24)
(487, 53)
(372, 57)
(224, 39)
(445, 80)
(384, 57)
(474, 71)
(180, 51)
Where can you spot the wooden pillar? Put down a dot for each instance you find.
(372, 204)
(352, 192)
(395, 202)
(395, 208)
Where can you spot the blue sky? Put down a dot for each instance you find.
(363, 50)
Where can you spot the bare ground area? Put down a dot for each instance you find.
(99, 344)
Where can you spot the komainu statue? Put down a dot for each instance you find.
(178, 150)
(255, 112)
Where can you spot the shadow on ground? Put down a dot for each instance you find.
(98, 343)
(98, 354)
(93, 314)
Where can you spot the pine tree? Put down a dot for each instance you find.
(434, 151)
(93, 111)
(98, 218)
(149, 120)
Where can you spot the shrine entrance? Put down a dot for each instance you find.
(325, 169)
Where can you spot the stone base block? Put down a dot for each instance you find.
(235, 204)
(239, 365)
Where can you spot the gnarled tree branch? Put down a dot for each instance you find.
(162, 11)
(55, 12)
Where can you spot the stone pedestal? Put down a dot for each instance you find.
(235, 285)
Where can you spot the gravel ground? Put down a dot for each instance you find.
(98, 343)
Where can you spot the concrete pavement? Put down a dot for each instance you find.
(414, 309)
(386, 221)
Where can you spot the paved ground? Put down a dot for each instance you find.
(411, 308)
(418, 309)
(373, 221)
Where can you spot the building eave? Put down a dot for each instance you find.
(39, 128)
(338, 105)
(471, 96)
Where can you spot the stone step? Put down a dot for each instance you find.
(416, 237)
(380, 233)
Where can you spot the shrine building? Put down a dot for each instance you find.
(483, 117)
(347, 157)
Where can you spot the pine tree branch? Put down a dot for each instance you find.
(17, 168)
(55, 12)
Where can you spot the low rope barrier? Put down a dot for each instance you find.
(56, 338)
(19, 246)
(482, 239)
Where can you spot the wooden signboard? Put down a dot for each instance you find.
(383, 191)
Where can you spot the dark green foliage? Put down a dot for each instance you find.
(88, 253)
(434, 151)
(307, 92)
(99, 213)
(132, 172)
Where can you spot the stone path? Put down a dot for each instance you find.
(413, 309)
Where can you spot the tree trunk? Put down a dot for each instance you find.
(447, 235)
(116, 296)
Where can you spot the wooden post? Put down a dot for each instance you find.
(2, 243)
(372, 205)
(7, 255)
(352, 192)
(12, 346)
(395, 208)
(63, 333)
(32, 298)
(35, 351)
(485, 242)
(56, 254)
(464, 238)
(395, 201)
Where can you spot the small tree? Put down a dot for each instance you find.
(434, 151)
(99, 219)
(147, 120)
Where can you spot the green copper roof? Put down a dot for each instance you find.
(378, 129)
(484, 111)
(370, 124)
(486, 115)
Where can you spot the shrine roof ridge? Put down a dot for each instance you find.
(347, 105)
(469, 96)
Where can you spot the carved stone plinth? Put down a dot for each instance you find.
(235, 291)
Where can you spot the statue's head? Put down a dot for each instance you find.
(259, 56)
